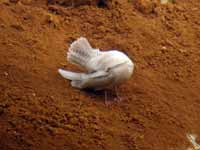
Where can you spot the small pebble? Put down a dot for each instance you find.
(6, 74)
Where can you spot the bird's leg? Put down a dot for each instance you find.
(73, 3)
(107, 102)
(118, 98)
(106, 98)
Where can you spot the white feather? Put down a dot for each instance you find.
(69, 75)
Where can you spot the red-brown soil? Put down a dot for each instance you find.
(39, 110)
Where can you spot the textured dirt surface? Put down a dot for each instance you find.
(39, 110)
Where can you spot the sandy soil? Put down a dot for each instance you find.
(39, 110)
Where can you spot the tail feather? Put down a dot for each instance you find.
(70, 75)
(80, 52)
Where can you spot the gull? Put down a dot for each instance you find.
(105, 69)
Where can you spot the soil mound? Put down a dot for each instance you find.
(39, 110)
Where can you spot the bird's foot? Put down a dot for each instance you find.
(108, 103)
(118, 99)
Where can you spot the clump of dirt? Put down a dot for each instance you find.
(40, 110)
(65, 3)
(75, 2)
(146, 6)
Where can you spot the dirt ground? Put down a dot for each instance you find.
(39, 110)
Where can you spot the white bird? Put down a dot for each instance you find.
(105, 68)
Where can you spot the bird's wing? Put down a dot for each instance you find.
(106, 61)
(116, 65)
(96, 80)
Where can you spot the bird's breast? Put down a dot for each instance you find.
(122, 72)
